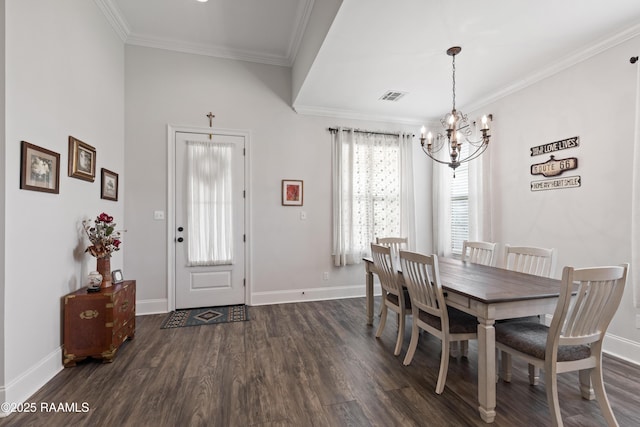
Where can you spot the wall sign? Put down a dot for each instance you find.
(563, 144)
(556, 184)
(553, 167)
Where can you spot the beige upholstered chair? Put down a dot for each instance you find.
(395, 243)
(478, 252)
(394, 297)
(430, 312)
(531, 260)
(573, 342)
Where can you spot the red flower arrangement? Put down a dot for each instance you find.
(103, 236)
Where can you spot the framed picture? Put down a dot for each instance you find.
(39, 169)
(82, 160)
(116, 276)
(291, 192)
(109, 187)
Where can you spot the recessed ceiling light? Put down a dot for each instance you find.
(203, 1)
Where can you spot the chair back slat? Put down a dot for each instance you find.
(585, 318)
(530, 260)
(387, 273)
(421, 276)
(478, 252)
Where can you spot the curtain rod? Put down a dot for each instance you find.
(333, 130)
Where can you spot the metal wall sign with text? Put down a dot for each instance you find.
(556, 184)
(563, 144)
(553, 167)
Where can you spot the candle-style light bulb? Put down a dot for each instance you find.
(485, 124)
(451, 120)
(422, 131)
(429, 137)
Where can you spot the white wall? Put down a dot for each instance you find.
(288, 255)
(64, 76)
(589, 225)
(2, 189)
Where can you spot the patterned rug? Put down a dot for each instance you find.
(206, 316)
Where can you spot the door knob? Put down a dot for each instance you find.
(180, 229)
(180, 240)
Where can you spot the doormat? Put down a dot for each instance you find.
(206, 316)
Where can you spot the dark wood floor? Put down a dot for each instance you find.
(305, 364)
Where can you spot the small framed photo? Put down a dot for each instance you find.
(117, 277)
(292, 192)
(39, 169)
(82, 160)
(109, 188)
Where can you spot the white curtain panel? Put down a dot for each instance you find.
(407, 201)
(372, 191)
(635, 208)
(209, 203)
(479, 203)
(442, 176)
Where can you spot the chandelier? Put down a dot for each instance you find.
(458, 131)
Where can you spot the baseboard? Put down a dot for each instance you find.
(622, 348)
(22, 388)
(312, 294)
(151, 306)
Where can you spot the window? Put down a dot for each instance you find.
(368, 194)
(460, 205)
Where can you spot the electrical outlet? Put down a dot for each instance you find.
(638, 321)
(158, 215)
(325, 275)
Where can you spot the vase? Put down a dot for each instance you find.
(104, 268)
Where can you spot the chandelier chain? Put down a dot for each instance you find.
(453, 77)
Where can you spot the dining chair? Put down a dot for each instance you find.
(394, 297)
(430, 312)
(395, 243)
(478, 252)
(530, 260)
(573, 341)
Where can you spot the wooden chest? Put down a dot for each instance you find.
(96, 324)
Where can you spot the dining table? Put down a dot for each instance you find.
(490, 294)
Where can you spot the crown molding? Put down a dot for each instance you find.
(302, 19)
(114, 16)
(356, 115)
(580, 56)
(120, 25)
(206, 50)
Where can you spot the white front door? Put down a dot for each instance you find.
(209, 220)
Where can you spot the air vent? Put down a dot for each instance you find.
(392, 95)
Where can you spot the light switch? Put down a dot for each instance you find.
(158, 215)
(303, 215)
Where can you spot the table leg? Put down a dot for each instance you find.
(369, 292)
(487, 370)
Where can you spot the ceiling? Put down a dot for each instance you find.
(373, 46)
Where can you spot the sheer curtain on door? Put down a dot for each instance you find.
(372, 191)
(209, 203)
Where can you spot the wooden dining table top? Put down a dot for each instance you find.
(491, 284)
